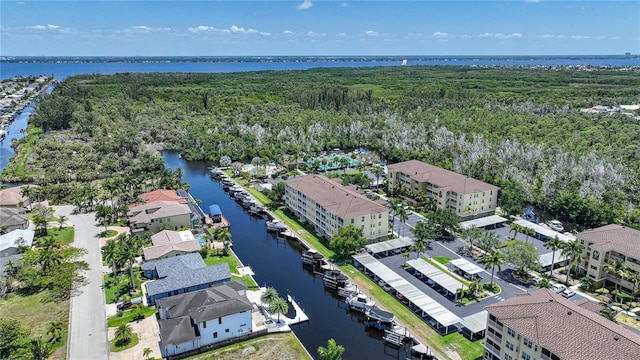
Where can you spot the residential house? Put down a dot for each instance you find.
(168, 243)
(181, 274)
(160, 195)
(152, 216)
(14, 218)
(10, 242)
(542, 325)
(205, 317)
(329, 206)
(604, 245)
(467, 197)
(12, 198)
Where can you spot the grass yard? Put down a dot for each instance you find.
(36, 312)
(441, 259)
(234, 263)
(283, 346)
(114, 291)
(114, 347)
(453, 342)
(628, 320)
(108, 234)
(129, 316)
(64, 236)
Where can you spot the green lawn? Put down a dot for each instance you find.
(114, 347)
(234, 263)
(441, 259)
(114, 291)
(268, 347)
(453, 341)
(108, 233)
(129, 316)
(35, 312)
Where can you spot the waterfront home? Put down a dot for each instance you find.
(181, 274)
(152, 216)
(12, 241)
(603, 246)
(198, 319)
(14, 218)
(328, 206)
(467, 197)
(159, 195)
(13, 198)
(541, 324)
(168, 243)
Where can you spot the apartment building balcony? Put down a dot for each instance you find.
(492, 349)
(495, 325)
(494, 337)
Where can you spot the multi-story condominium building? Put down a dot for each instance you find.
(467, 197)
(329, 206)
(542, 325)
(604, 245)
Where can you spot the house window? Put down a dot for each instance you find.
(215, 335)
(526, 356)
(527, 343)
(363, 218)
(511, 332)
(596, 255)
(219, 320)
(226, 330)
(509, 345)
(352, 221)
(204, 325)
(593, 267)
(507, 357)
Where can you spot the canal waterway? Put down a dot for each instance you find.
(277, 263)
(16, 131)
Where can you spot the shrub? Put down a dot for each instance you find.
(602, 291)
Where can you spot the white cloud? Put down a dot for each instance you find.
(441, 35)
(341, 34)
(234, 29)
(288, 32)
(51, 28)
(501, 35)
(581, 37)
(306, 4)
(201, 28)
(372, 33)
(265, 33)
(237, 29)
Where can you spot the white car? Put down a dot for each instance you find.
(558, 288)
(568, 293)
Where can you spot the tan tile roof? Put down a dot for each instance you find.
(11, 196)
(159, 195)
(570, 331)
(334, 197)
(445, 179)
(614, 237)
(143, 214)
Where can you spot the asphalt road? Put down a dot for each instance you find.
(87, 323)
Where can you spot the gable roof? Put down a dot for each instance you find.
(334, 197)
(440, 177)
(183, 271)
(614, 237)
(10, 239)
(145, 213)
(199, 306)
(13, 216)
(11, 196)
(167, 241)
(568, 330)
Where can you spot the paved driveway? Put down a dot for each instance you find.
(87, 323)
(148, 337)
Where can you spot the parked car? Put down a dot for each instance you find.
(558, 288)
(384, 286)
(128, 303)
(568, 293)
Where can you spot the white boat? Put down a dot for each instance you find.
(360, 302)
(216, 172)
(276, 225)
(555, 225)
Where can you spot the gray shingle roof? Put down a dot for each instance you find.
(571, 331)
(177, 331)
(185, 271)
(144, 214)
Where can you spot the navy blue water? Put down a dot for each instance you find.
(277, 263)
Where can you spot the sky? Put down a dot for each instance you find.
(318, 28)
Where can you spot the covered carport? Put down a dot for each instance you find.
(442, 279)
(390, 247)
(464, 268)
(542, 232)
(487, 222)
(474, 325)
(427, 308)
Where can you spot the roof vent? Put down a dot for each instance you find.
(569, 312)
(616, 338)
(550, 300)
(416, 173)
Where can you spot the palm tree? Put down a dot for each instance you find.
(128, 250)
(405, 255)
(573, 251)
(394, 204)
(54, 329)
(110, 253)
(634, 277)
(49, 257)
(331, 352)
(223, 235)
(28, 192)
(377, 171)
(146, 352)
(515, 228)
(269, 295)
(418, 247)
(495, 259)
(615, 268)
(544, 283)
(39, 349)
(402, 214)
(474, 287)
(553, 244)
(278, 306)
(61, 220)
(529, 232)
(123, 333)
(102, 214)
